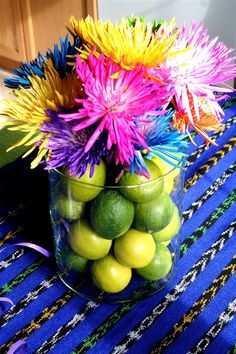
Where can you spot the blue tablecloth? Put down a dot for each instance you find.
(193, 314)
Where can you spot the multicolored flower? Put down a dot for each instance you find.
(123, 92)
(114, 97)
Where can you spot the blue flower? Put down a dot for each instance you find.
(162, 141)
(59, 57)
(24, 71)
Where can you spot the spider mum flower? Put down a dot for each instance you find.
(63, 57)
(208, 121)
(34, 67)
(27, 111)
(114, 98)
(162, 141)
(66, 147)
(58, 57)
(197, 70)
(128, 45)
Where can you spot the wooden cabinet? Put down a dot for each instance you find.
(12, 41)
(29, 26)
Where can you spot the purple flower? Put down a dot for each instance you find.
(67, 147)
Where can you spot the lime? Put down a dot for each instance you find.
(166, 167)
(135, 248)
(73, 261)
(170, 230)
(111, 214)
(86, 242)
(168, 183)
(153, 216)
(159, 266)
(109, 275)
(166, 243)
(146, 188)
(86, 188)
(69, 208)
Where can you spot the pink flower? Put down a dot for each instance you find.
(196, 69)
(114, 97)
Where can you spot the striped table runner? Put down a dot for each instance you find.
(194, 314)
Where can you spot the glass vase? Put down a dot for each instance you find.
(100, 263)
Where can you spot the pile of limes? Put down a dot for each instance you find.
(121, 228)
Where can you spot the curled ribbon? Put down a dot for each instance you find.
(5, 299)
(30, 245)
(20, 346)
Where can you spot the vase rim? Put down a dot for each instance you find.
(117, 186)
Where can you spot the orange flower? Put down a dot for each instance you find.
(204, 123)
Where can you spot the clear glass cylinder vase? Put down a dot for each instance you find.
(127, 251)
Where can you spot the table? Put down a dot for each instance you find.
(193, 314)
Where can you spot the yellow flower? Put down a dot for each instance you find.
(128, 45)
(27, 112)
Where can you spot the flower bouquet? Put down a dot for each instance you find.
(110, 113)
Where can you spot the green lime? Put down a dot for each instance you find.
(153, 216)
(69, 208)
(168, 184)
(111, 214)
(165, 167)
(86, 242)
(73, 261)
(146, 188)
(170, 230)
(169, 172)
(109, 275)
(159, 266)
(166, 243)
(86, 188)
(135, 248)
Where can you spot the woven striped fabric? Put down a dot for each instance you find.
(195, 313)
